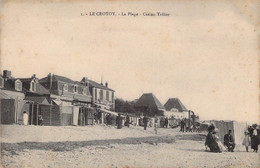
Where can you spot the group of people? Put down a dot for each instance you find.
(26, 119)
(213, 143)
(252, 138)
(188, 126)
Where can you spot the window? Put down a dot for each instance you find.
(84, 92)
(33, 86)
(101, 94)
(1, 82)
(112, 96)
(18, 85)
(107, 95)
(95, 94)
(75, 89)
(65, 87)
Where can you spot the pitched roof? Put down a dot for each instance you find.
(149, 100)
(57, 78)
(175, 103)
(39, 88)
(97, 85)
(63, 79)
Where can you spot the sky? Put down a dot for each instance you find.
(205, 53)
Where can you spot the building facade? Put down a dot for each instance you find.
(12, 98)
(102, 96)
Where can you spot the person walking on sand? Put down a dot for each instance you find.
(155, 125)
(166, 122)
(127, 121)
(25, 118)
(229, 141)
(145, 120)
(119, 121)
(246, 140)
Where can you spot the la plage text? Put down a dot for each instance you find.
(131, 14)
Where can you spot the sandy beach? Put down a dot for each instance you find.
(103, 146)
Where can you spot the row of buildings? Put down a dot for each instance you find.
(149, 105)
(58, 99)
(61, 101)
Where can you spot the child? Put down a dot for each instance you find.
(246, 140)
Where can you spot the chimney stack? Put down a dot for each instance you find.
(85, 81)
(7, 74)
(106, 84)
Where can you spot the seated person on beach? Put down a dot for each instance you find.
(221, 147)
(211, 140)
(229, 141)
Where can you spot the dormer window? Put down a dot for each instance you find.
(33, 86)
(18, 85)
(75, 89)
(65, 87)
(84, 92)
(1, 82)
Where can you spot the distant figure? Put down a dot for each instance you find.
(186, 126)
(182, 125)
(127, 122)
(161, 122)
(166, 121)
(254, 139)
(229, 141)
(145, 120)
(119, 121)
(246, 141)
(25, 118)
(156, 123)
(40, 120)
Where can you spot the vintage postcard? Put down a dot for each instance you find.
(120, 83)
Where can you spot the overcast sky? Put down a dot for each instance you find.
(205, 53)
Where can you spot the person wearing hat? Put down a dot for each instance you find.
(246, 140)
(211, 140)
(254, 139)
(220, 146)
(229, 141)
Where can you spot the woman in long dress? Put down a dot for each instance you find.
(254, 139)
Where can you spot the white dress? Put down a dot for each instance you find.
(25, 119)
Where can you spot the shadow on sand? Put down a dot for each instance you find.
(72, 145)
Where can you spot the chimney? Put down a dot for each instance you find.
(7, 74)
(85, 81)
(50, 80)
(106, 84)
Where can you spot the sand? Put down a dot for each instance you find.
(103, 146)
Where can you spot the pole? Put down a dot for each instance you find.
(32, 114)
(50, 96)
(37, 111)
(16, 111)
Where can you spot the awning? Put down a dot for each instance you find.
(110, 112)
(63, 103)
(102, 105)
